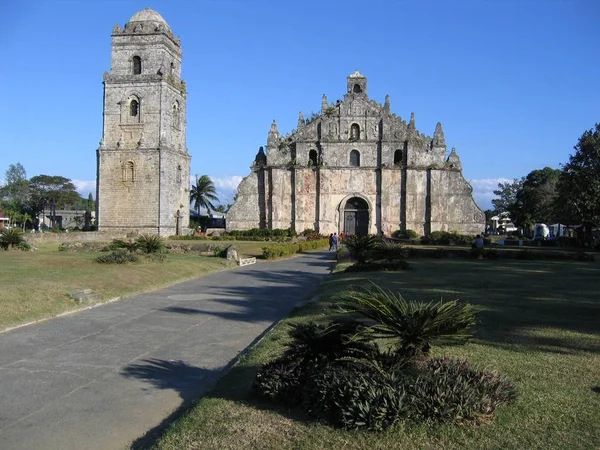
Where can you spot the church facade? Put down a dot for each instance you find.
(356, 168)
(143, 167)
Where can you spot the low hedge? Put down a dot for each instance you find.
(495, 253)
(286, 249)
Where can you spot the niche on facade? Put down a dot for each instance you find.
(398, 157)
(137, 65)
(355, 158)
(178, 176)
(312, 158)
(128, 172)
(357, 89)
(131, 112)
(175, 115)
(354, 132)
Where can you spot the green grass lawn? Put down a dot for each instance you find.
(34, 285)
(539, 325)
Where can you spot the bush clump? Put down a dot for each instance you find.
(119, 256)
(285, 249)
(337, 373)
(11, 237)
(150, 243)
(405, 234)
(447, 237)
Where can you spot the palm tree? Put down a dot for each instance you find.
(203, 193)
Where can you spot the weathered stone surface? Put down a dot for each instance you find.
(233, 253)
(399, 179)
(143, 163)
(84, 296)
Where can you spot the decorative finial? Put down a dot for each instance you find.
(324, 104)
(300, 119)
(438, 136)
(411, 124)
(386, 106)
(273, 136)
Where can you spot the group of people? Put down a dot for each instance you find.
(333, 242)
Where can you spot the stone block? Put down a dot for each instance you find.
(85, 296)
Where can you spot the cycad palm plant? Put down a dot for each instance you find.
(10, 237)
(389, 251)
(360, 246)
(411, 327)
(203, 193)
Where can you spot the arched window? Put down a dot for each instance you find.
(175, 115)
(357, 89)
(179, 173)
(355, 158)
(355, 132)
(134, 108)
(312, 158)
(137, 65)
(397, 157)
(129, 171)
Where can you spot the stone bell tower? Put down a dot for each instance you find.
(143, 166)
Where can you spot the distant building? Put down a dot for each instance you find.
(4, 220)
(143, 163)
(66, 218)
(502, 223)
(355, 167)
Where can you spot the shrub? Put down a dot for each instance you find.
(285, 249)
(450, 389)
(352, 397)
(116, 244)
(149, 243)
(10, 237)
(308, 232)
(447, 237)
(377, 266)
(410, 326)
(119, 256)
(159, 256)
(405, 234)
(360, 246)
(24, 246)
(389, 251)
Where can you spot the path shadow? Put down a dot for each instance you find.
(190, 383)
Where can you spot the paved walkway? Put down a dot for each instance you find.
(101, 378)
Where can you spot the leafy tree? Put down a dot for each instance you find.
(578, 186)
(203, 193)
(16, 189)
(507, 196)
(51, 191)
(535, 200)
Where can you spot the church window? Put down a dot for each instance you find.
(129, 171)
(312, 158)
(172, 68)
(134, 108)
(397, 157)
(355, 132)
(357, 89)
(175, 115)
(355, 158)
(137, 65)
(179, 173)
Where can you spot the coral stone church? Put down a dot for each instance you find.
(356, 168)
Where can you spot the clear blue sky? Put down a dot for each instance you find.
(514, 83)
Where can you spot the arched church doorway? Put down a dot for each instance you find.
(356, 217)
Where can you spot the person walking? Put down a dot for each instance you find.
(330, 241)
(335, 241)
